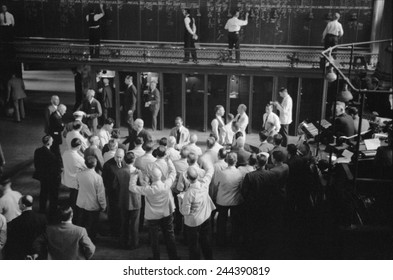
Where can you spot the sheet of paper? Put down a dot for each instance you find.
(372, 144)
(347, 154)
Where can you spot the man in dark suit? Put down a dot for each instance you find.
(257, 187)
(242, 154)
(93, 110)
(129, 204)
(107, 103)
(47, 171)
(137, 131)
(52, 107)
(56, 127)
(153, 103)
(23, 230)
(111, 167)
(64, 241)
(130, 96)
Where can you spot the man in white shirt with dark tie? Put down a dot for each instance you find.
(181, 134)
(7, 24)
(285, 109)
(233, 26)
(332, 32)
(270, 117)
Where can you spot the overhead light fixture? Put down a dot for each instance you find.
(331, 76)
(345, 95)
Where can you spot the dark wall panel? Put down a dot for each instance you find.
(284, 22)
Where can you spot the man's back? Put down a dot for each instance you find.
(9, 205)
(66, 241)
(22, 231)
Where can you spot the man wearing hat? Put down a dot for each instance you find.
(23, 230)
(78, 116)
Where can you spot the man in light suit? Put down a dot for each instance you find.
(242, 119)
(47, 171)
(92, 108)
(181, 134)
(153, 102)
(64, 241)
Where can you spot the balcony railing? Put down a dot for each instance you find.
(172, 53)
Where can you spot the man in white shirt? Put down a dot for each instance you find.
(73, 163)
(210, 156)
(229, 198)
(190, 37)
(285, 109)
(93, 21)
(272, 118)
(197, 206)
(233, 26)
(181, 134)
(105, 132)
(91, 197)
(171, 152)
(193, 146)
(9, 206)
(76, 133)
(242, 119)
(159, 208)
(332, 32)
(138, 151)
(7, 24)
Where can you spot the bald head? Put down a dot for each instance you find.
(156, 174)
(192, 174)
(138, 124)
(119, 155)
(193, 138)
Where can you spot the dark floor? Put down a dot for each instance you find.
(311, 237)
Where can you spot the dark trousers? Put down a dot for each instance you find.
(129, 227)
(113, 211)
(72, 202)
(222, 219)
(19, 109)
(49, 189)
(189, 47)
(284, 132)
(330, 41)
(199, 238)
(89, 220)
(94, 39)
(178, 219)
(166, 225)
(154, 114)
(55, 148)
(233, 41)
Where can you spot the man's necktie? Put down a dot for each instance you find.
(5, 18)
(267, 117)
(178, 136)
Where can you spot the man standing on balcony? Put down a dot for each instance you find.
(233, 26)
(94, 30)
(7, 23)
(190, 37)
(332, 32)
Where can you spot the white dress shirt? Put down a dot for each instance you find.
(234, 24)
(73, 163)
(229, 181)
(158, 195)
(91, 194)
(272, 118)
(197, 197)
(194, 149)
(138, 151)
(108, 155)
(184, 136)
(173, 154)
(76, 134)
(242, 121)
(9, 205)
(285, 109)
(104, 136)
(142, 162)
(334, 28)
(8, 20)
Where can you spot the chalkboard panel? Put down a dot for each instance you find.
(286, 22)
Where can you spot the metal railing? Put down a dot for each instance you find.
(172, 53)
